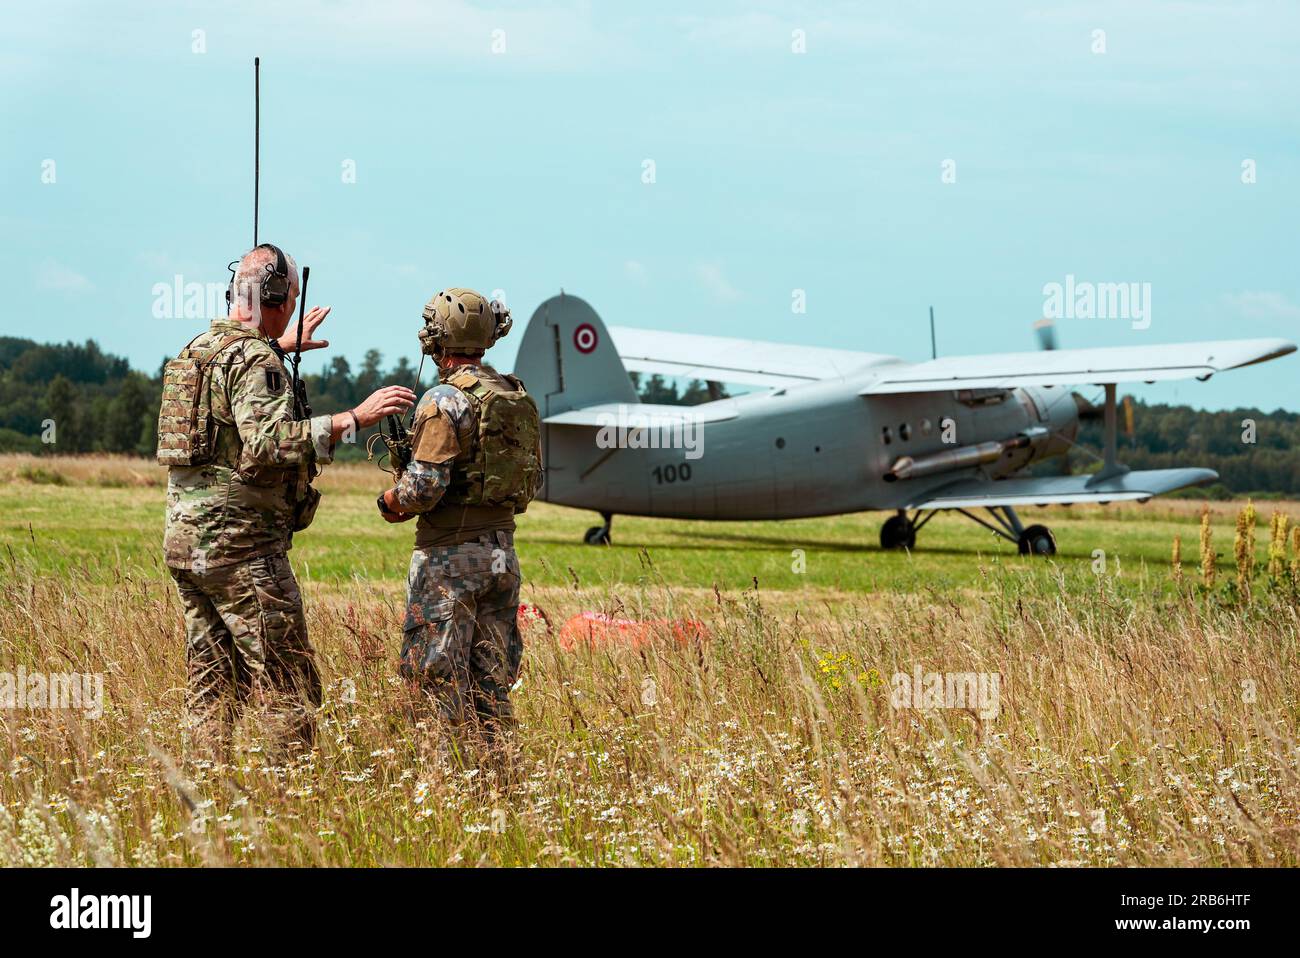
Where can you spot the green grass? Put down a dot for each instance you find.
(105, 531)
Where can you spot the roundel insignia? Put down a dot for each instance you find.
(584, 338)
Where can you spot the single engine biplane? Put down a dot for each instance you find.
(832, 431)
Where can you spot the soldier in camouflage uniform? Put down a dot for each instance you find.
(475, 463)
(238, 487)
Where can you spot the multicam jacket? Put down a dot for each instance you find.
(240, 501)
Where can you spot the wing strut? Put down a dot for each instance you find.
(1110, 466)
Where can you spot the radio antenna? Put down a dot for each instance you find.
(934, 349)
(418, 373)
(257, 139)
(301, 408)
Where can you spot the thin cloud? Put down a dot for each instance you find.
(1263, 305)
(710, 276)
(55, 276)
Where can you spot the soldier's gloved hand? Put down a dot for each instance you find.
(385, 401)
(389, 514)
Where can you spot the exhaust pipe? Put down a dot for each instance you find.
(963, 457)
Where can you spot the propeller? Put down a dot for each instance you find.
(1088, 409)
(1046, 331)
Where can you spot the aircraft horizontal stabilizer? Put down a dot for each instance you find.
(1064, 367)
(1057, 490)
(643, 415)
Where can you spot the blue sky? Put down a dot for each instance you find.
(522, 170)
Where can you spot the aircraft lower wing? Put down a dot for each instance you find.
(1063, 367)
(725, 360)
(1057, 490)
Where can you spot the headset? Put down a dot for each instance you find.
(274, 289)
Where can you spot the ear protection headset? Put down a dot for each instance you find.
(274, 288)
(501, 312)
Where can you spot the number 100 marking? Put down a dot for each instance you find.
(672, 473)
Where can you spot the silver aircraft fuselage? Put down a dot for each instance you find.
(808, 450)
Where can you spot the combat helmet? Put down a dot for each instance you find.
(461, 320)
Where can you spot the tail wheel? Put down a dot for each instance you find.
(1037, 541)
(898, 532)
(596, 536)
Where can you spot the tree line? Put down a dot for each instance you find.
(70, 399)
(75, 398)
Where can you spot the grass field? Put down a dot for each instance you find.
(1140, 720)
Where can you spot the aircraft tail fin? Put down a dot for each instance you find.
(567, 359)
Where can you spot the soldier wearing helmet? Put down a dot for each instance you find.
(475, 463)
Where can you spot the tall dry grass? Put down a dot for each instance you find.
(112, 471)
(1132, 730)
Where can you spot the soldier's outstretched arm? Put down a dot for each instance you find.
(262, 405)
(384, 401)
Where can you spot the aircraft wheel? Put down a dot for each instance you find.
(596, 536)
(1037, 541)
(898, 533)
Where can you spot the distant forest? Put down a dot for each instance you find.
(99, 404)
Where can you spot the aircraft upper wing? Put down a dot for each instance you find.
(1055, 490)
(643, 415)
(721, 359)
(1062, 367)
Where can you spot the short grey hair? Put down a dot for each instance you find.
(251, 273)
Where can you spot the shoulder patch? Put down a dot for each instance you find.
(274, 380)
(435, 438)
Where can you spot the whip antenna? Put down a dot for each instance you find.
(257, 138)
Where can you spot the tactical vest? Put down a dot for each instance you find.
(502, 467)
(185, 433)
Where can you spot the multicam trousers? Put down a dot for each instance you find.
(461, 640)
(247, 648)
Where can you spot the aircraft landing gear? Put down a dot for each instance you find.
(1037, 541)
(599, 535)
(898, 532)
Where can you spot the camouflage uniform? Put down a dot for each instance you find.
(238, 487)
(461, 639)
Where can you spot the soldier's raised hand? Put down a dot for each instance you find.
(310, 323)
(384, 401)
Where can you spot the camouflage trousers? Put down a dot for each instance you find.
(461, 641)
(247, 650)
